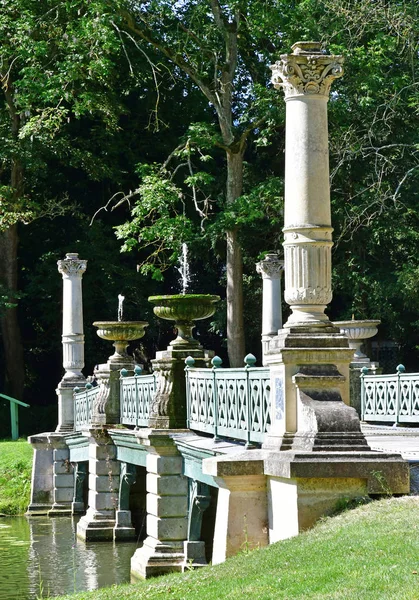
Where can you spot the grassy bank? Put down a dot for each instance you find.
(370, 553)
(15, 476)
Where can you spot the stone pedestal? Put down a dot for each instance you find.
(304, 487)
(271, 269)
(241, 521)
(106, 407)
(168, 407)
(72, 270)
(163, 550)
(99, 521)
(42, 484)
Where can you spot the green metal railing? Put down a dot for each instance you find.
(83, 404)
(137, 391)
(14, 414)
(231, 403)
(393, 398)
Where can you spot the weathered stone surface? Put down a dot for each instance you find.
(72, 269)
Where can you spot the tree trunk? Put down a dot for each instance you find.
(234, 263)
(11, 338)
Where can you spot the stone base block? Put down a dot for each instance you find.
(123, 526)
(304, 487)
(77, 508)
(194, 555)
(156, 558)
(93, 528)
(38, 509)
(60, 510)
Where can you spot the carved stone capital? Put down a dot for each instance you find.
(308, 71)
(271, 267)
(72, 266)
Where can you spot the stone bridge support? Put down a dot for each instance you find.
(167, 508)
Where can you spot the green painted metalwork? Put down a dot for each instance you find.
(393, 398)
(14, 414)
(229, 402)
(136, 394)
(83, 404)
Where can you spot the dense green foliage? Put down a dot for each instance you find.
(370, 553)
(15, 476)
(93, 110)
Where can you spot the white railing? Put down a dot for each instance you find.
(83, 405)
(393, 398)
(229, 402)
(137, 392)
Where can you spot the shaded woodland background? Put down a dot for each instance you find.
(105, 105)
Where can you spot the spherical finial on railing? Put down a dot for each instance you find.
(250, 360)
(400, 369)
(365, 370)
(76, 390)
(138, 370)
(216, 362)
(189, 361)
(88, 386)
(124, 373)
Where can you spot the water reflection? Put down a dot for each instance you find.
(42, 556)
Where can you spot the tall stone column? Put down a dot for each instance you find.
(271, 268)
(309, 357)
(72, 269)
(305, 77)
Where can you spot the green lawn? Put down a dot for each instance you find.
(369, 553)
(15, 476)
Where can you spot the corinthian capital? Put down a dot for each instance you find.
(307, 71)
(72, 266)
(271, 267)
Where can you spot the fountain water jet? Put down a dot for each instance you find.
(184, 270)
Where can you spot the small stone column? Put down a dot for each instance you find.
(305, 77)
(72, 270)
(271, 269)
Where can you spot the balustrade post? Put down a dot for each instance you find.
(400, 370)
(189, 361)
(137, 373)
(250, 361)
(216, 364)
(364, 371)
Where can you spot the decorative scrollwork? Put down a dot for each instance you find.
(308, 71)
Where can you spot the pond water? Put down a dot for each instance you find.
(42, 557)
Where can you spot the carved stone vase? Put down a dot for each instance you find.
(106, 408)
(168, 408)
(184, 309)
(357, 332)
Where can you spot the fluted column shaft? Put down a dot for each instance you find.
(306, 77)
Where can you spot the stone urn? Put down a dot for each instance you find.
(357, 332)
(184, 309)
(120, 333)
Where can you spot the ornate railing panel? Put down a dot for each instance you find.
(83, 405)
(229, 402)
(136, 395)
(393, 398)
